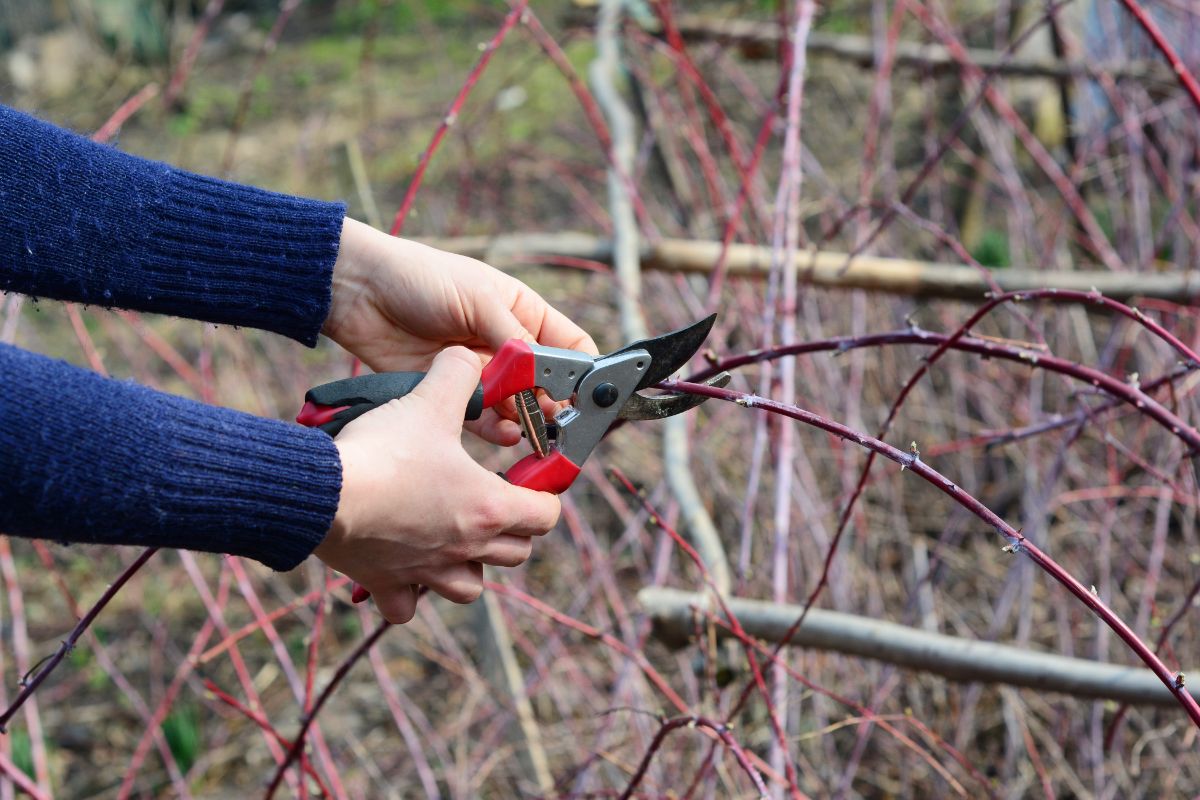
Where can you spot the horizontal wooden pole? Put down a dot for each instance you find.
(826, 268)
(760, 39)
(673, 613)
(861, 50)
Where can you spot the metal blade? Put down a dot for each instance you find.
(671, 351)
(639, 407)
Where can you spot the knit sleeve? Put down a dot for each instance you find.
(89, 459)
(84, 222)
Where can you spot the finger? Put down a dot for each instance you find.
(548, 325)
(506, 550)
(550, 407)
(458, 583)
(556, 330)
(451, 381)
(397, 604)
(521, 511)
(494, 428)
(496, 323)
(533, 319)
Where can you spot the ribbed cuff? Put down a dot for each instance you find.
(89, 459)
(244, 485)
(243, 255)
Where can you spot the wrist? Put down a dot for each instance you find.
(341, 526)
(347, 280)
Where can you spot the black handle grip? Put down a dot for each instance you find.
(365, 392)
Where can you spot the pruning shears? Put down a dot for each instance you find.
(601, 390)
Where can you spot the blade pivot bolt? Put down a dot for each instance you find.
(605, 395)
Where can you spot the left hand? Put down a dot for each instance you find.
(398, 303)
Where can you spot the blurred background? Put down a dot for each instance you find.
(1080, 156)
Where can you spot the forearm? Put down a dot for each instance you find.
(88, 459)
(84, 222)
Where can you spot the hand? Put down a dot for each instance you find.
(416, 509)
(397, 303)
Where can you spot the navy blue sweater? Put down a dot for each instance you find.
(88, 459)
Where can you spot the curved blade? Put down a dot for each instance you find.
(671, 351)
(638, 407)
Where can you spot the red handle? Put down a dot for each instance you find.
(314, 415)
(512, 370)
(554, 473)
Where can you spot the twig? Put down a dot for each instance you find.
(298, 743)
(1016, 542)
(1058, 422)
(300, 688)
(246, 91)
(1131, 394)
(105, 659)
(951, 136)
(773, 655)
(180, 76)
(182, 672)
(638, 658)
(1186, 78)
(261, 721)
(20, 779)
(451, 115)
(253, 627)
(591, 109)
(68, 644)
(404, 725)
(1096, 240)
(507, 673)
(216, 613)
(22, 658)
(771, 701)
(722, 732)
(124, 112)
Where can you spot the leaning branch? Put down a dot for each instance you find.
(674, 614)
(903, 276)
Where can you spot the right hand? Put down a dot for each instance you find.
(416, 509)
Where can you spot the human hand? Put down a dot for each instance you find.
(397, 303)
(416, 509)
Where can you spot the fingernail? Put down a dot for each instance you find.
(359, 594)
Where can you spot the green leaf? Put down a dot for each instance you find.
(182, 731)
(992, 250)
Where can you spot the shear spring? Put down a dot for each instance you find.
(533, 422)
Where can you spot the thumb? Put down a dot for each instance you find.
(452, 379)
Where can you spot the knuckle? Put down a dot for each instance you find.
(486, 518)
(458, 550)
